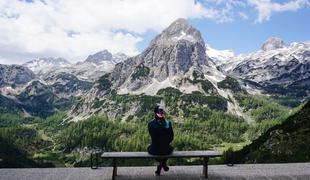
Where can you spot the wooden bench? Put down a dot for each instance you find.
(176, 154)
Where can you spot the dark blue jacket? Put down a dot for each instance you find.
(162, 136)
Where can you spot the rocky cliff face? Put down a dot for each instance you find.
(12, 75)
(100, 56)
(176, 51)
(66, 85)
(105, 55)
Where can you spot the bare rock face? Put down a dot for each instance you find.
(171, 53)
(15, 75)
(96, 58)
(106, 56)
(272, 44)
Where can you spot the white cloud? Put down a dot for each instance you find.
(265, 8)
(243, 15)
(74, 29)
(227, 10)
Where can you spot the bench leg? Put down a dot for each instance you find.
(91, 160)
(92, 166)
(114, 169)
(205, 167)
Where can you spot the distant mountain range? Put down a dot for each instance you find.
(277, 68)
(176, 61)
(43, 86)
(91, 69)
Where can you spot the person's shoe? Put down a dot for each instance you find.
(166, 168)
(157, 172)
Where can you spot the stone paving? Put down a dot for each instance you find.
(294, 171)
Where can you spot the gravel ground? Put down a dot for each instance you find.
(298, 171)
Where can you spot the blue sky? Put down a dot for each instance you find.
(74, 29)
(247, 35)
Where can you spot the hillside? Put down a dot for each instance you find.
(286, 142)
(12, 157)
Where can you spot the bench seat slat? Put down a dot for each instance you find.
(175, 154)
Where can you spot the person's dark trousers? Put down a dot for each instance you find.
(162, 161)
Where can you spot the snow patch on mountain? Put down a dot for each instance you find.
(43, 65)
(184, 36)
(219, 56)
(152, 88)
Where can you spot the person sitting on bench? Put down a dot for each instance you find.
(161, 133)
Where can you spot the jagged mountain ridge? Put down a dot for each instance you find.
(90, 69)
(277, 68)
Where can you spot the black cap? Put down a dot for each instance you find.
(158, 108)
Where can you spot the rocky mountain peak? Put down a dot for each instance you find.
(273, 43)
(179, 24)
(180, 29)
(173, 53)
(100, 56)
